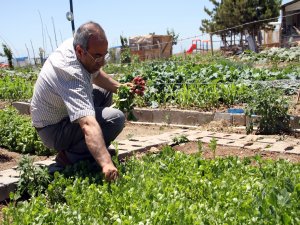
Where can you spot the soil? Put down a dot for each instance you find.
(10, 159)
(225, 151)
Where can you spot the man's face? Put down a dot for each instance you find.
(94, 57)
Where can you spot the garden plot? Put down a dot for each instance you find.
(171, 187)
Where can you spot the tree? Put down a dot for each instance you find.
(240, 15)
(125, 50)
(8, 53)
(175, 37)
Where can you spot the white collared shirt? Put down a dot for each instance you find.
(63, 89)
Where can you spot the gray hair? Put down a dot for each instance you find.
(85, 31)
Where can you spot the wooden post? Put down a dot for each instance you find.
(211, 45)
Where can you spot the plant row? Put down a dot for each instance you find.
(273, 54)
(207, 86)
(17, 85)
(169, 188)
(17, 134)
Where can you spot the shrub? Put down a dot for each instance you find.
(272, 107)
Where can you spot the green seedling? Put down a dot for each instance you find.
(213, 146)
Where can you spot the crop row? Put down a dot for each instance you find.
(170, 188)
(273, 54)
(17, 134)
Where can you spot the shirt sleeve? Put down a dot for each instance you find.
(75, 88)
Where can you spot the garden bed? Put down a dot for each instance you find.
(176, 188)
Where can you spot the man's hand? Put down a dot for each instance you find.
(110, 172)
(96, 145)
(128, 84)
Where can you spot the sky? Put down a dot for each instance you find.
(34, 23)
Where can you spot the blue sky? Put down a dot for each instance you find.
(21, 22)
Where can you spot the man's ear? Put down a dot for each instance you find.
(80, 52)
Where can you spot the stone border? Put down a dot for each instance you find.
(179, 117)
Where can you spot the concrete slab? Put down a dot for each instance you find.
(143, 115)
(251, 137)
(279, 146)
(235, 136)
(255, 145)
(9, 173)
(237, 143)
(238, 120)
(295, 150)
(206, 139)
(218, 135)
(45, 162)
(173, 116)
(267, 140)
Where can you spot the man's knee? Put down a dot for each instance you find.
(118, 118)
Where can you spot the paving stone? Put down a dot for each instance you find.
(255, 145)
(222, 141)
(295, 150)
(236, 143)
(279, 146)
(44, 162)
(9, 173)
(206, 139)
(251, 137)
(218, 135)
(235, 137)
(8, 180)
(267, 140)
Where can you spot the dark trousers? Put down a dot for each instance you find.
(68, 137)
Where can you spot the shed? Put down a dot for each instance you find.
(151, 46)
(290, 25)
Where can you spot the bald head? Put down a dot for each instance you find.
(86, 31)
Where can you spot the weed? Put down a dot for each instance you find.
(180, 139)
(213, 146)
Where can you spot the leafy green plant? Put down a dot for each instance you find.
(126, 95)
(34, 179)
(170, 188)
(180, 139)
(17, 133)
(272, 107)
(124, 101)
(213, 146)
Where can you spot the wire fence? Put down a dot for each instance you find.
(223, 30)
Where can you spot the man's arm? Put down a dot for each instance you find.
(95, 143)
(105, 81)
